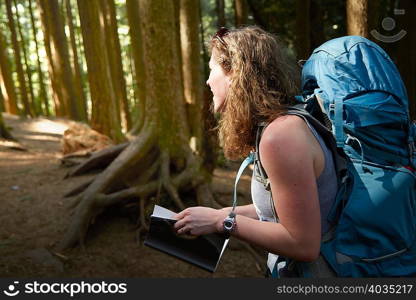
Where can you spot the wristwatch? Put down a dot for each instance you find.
(229, 224)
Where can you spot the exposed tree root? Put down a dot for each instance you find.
(100, 159)
(74, 159)
(141, 171)
(79, 189)
(143, 227)
(12, 144)
(205, 196)
(166, 181)
(258, 259)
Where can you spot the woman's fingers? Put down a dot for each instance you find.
(179, 224)
(183, 213)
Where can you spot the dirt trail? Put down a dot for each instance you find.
(33, 216)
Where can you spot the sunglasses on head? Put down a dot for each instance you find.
(301, 62)
(219, 35)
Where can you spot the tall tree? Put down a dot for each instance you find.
(316, 27)
(241, 12)
(42, 89)
(4, 132)
(58, 56)
(18, 60)
(32, 101)
(303, 30)
(7, 87)
(406, 49)
(357, 17)
(220, 7)
(133, 18)
(161, 150)
(191, 67)
(103, 115)
(59, 105)
(76, 69)
(116, 66)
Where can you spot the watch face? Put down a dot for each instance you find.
(228, 224)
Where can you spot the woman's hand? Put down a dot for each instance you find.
(200, 220)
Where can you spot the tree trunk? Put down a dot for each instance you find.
(103, 115)
(60, 107)
(2, 104)
(7, 87)
(76, 70)
(18, 61)
(134, 20)
(257, 15)
(220, 7)
(4, 133)
(317, 35)
(303, 31)
(32, 101)
(42, 89)
(58, 56)
(406, 49)
(191, 68)
(241, 12)
(161, 150)
(114, 55)
(357, 20)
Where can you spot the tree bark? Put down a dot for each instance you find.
(134, 20)
(191, 68)
(18, 60)
(116, 66)
(76, 70)
(406, 49)
(58, 56)
(32, 101)
(7, 87)
(60, 107)
(42, 89)
(4, 133)
(303, 30)
(317, 34)
(257, 15)
(241, 12)
(357, 19)
(103, 115)
(159, 159)
(220, 7)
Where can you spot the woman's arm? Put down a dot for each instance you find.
(245, 210)
(287, 158)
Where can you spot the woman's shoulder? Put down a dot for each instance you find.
(287, 142)
(287, 129)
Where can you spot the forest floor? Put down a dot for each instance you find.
(34, 217)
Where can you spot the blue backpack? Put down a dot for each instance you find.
(360, 90)
(352, 86)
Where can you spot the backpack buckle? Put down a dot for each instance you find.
(331, 110)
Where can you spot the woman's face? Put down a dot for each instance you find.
(219, 83)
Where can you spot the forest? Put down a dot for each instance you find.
(105, 112)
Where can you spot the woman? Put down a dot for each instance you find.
(252, 83)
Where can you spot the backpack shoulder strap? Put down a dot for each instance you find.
(261, 173)
(337, 153)
(300, 111)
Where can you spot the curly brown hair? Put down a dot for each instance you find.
(263, 83)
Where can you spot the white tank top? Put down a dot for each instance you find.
(327, 189)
